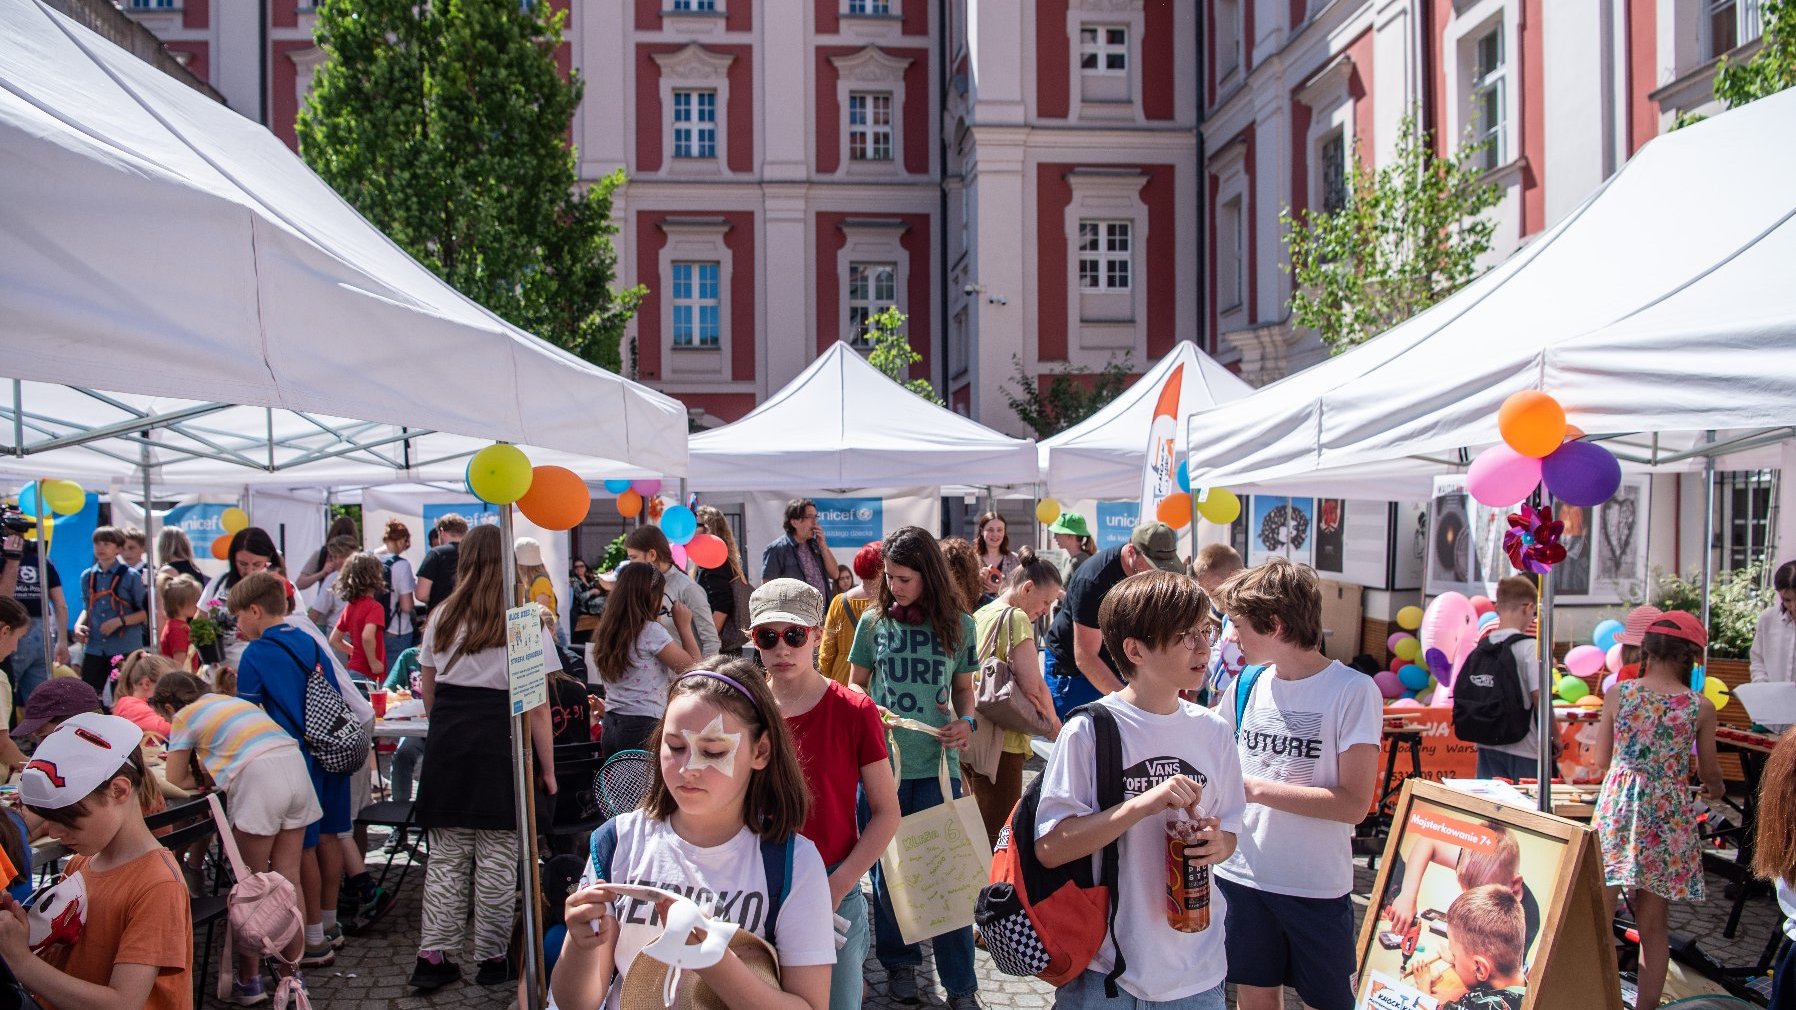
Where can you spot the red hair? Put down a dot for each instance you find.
(868, 561)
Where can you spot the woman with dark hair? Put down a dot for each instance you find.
(726, 586)
(465, 797)
(1773, 656)
(636, 657)
(996, 559)
(963, 570)
(914, 655)
(252, 550)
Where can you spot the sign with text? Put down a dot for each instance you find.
(477, 513)
(851, 521)
(1116, 520)
(524, 659)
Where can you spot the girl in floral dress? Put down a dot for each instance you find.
(1646, 815)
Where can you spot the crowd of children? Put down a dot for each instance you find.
(775, 787)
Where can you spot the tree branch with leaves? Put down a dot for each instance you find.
(1060, 399)
(892, 353)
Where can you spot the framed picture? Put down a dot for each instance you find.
(1282, 527)
(1480, 905)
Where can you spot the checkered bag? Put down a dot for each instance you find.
(1051, 921)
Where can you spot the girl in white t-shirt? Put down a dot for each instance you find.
(727, 783)
(636, 657)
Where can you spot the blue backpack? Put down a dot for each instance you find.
(1244, 690)
(776, 863)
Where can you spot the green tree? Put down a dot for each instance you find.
(1772, 68)
(1410, 235)
(446, 125)
(1068, 396)
(892, 354)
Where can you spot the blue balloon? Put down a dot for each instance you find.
(1697, 677)
(1184, 477)
(617, 486)
(1487, 619)
(28, 501)
(1604, 635)
(678, 523)
(467, 477)
(1413, 677)
(1407, 694)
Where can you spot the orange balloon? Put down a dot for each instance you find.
(629, 504)
(1175, 509)
(557, 499)
(221, 547)
(1532, 423)
(707, 551)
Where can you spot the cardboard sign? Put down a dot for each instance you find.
(524, 659)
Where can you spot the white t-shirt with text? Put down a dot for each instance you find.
(649, 853)
(1294, 731)
(1162, 963)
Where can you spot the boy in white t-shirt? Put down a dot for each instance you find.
(1308, 742)
(1177, 756)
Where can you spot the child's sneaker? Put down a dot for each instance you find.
(378, 904)
(321, 956)
(495, 971)
(249, 993)
(333, 935)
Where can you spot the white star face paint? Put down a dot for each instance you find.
(712, 738)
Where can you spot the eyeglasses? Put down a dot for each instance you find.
(1194, 639)
(795, 636)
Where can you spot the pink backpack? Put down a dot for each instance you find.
(264, 914)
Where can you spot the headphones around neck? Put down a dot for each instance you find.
(908, 613)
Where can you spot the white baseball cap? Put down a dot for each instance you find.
(85, 751)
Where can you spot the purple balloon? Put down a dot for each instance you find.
(1581, 473)
(1389, 684)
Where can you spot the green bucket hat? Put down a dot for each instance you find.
(1070, 522)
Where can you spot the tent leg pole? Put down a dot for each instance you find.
(149, 545)
(46, 613)
(1708, 539)
(1543, 711)
(523, 781)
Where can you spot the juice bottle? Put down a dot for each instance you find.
(1187, 881)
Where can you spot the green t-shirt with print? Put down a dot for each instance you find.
(914, 678)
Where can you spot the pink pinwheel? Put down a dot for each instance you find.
(1532, 542)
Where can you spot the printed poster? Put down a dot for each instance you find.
(1331, 539)
(1282, 527)
(851, 520)
(524, 659)
(1605, 546)
(1115, 523)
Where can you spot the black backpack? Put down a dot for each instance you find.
(1488, 705)
(387, 602)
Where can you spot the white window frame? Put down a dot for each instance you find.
(1112, 244)
(1459, 58)
(869, 8)
(872, 301)
(870, 70)
(1748, 24)
(1231, 254)
(1330, 101)
(1104, 320)
(696, 240)
(694, 6)
(867, 138)
(1104, 49)
(1491, 85)
(154, 5)
(1228, 167)
(695, 68)
(871, 241)
(695, 135)
(1106, 94)
(696, 301)
(1227, 16)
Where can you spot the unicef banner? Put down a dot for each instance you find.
(1116, 521)
(851, 520)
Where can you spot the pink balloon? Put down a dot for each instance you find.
(679, 555)
(1450, 627)
(1613, 659)
(649, 486)
(1443, 696)
(1388, 684)
(1483, 605)
(1405, 703)
(1609, 681)
(1500, 476)
(1584, 661)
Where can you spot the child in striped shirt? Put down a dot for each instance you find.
(259, 769)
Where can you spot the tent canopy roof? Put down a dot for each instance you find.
(1659, 309)
(844, 424)
(159, 245)
(1101, 456)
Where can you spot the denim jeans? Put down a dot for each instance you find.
(1069, 689)
(1088, 991)
(406, 758)
(848, 978)
(953, 949)
(28, 669)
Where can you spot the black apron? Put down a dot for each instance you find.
(465, 780)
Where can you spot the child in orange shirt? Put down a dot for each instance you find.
(126, 943)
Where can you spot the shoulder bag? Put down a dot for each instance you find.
(998, 699)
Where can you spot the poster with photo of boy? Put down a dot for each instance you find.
(1485, 906)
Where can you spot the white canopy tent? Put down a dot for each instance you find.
(1101, 456)
(844, 424)
(1659, 311)
(157, 245)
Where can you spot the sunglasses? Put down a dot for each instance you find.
(795, 636)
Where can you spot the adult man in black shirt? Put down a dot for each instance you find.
(26, 667)
(436, 576)
(1076, 663)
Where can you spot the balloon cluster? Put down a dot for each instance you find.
(233, 521)
(1217, 504)
(552, 497)
(634, 495)
(59, 498)
(1538, 446)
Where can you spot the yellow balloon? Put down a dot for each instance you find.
(1047, 510)
(499, 474)
(64, 497)
(1409, 648)
(234, 520)
(1409, 618)
(1716, 690)
(1220, 506)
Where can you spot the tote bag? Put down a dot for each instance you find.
(997, 699)
(938, 861)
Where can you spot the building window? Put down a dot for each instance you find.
(1746, 519)
(149, 5)
(869, 6)
(1487, 108)
(1231, 250)
(1104, 255)
(1103, 49)
(872, 288)
(1228, 38)
(695, 124)
(1333, 164)
(869, 127)
(695, 5)
(1729, 24)
(696, 305)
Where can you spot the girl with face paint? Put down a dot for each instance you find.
(726, 782)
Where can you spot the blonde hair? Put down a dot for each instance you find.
(178, 593)
(143, 665)
(1498, 866)
(1218, 560)
(172, 545)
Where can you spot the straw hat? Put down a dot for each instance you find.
(644, 985)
